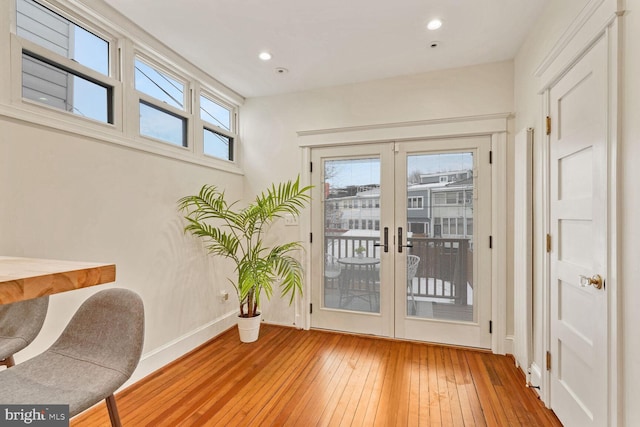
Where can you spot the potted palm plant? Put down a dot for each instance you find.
(238, 234)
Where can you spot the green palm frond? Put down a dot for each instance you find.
(237, 234)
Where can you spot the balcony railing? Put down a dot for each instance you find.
(445, 270)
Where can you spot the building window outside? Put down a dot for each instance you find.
(415, 202)
(452, 198)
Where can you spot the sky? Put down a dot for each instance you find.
(345, 172)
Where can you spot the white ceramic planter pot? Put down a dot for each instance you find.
(249, 328)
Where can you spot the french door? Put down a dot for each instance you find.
(401, 240)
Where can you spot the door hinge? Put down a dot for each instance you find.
(548, 124)
(490, 326)
(490, 157)
(310, 166)
(490, 242)
(310, 308)
(548, 360)
(310, 237)
(548, 243)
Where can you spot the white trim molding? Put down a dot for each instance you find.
(406, 131)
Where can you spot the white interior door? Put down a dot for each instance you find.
(578, 259)
(401, 240)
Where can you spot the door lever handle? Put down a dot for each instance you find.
(400, 245)
(385, 240)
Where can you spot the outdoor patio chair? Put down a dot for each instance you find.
(412, 269)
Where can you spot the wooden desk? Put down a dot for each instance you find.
(26, 278)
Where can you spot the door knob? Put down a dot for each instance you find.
(595, 281)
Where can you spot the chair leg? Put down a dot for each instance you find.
(8, 362)
(113, 411)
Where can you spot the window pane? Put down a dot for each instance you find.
(162, 87)
(160, 124)
(50, 30)
(218, 145)
(446, 178)
(215, 113)
(61, 89)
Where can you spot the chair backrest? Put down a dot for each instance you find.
(412, 266)
(332, 267)
(20, 323)
(107, 329)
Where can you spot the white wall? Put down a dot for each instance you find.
(269, 124)
(66, 197)
(549, 28)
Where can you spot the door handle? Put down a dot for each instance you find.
(385, 240)
(596, 281)
(400, 245)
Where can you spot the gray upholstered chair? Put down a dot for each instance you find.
(20, 323)
(95, 354)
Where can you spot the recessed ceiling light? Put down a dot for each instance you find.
(434, 24)
(281, 70)
(265, 56)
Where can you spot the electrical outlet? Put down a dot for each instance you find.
(290, 220)
(224, 296)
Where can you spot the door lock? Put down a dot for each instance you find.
(595, 281)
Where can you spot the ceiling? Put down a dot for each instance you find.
(331, 42)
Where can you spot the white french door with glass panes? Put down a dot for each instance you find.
(397, 253)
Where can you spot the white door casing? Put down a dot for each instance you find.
(578, 225)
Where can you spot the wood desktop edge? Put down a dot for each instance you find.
(53, 283)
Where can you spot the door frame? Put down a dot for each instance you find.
(495, 126)
(596, 23)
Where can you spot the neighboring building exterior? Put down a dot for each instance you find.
(441, 205)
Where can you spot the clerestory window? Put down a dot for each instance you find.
(64, 66)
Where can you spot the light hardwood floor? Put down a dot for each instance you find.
(309, 378)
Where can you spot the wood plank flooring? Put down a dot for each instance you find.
(315, 378)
